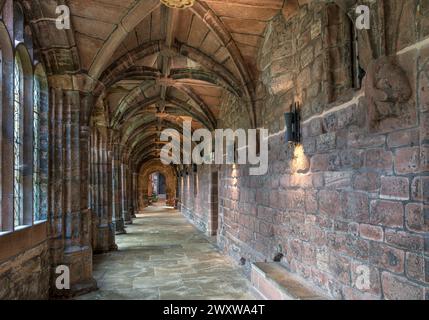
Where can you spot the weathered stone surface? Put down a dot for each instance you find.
(399, 288)
(354, 194)
(26, 276)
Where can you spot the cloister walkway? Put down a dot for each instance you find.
(162, 256)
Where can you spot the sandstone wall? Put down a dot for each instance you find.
(355, 193)
(195, 200)
(30, 268)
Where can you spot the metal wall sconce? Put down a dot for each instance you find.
(293, 125)
(195, 168)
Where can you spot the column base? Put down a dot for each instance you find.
(79, 261)
(76, 290)
(120, 227)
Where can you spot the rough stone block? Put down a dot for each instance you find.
(395, 188)
(379, 159)
(407, 160)
(387, 213)
(370, 232)
(399, 288)
(387, 257)
(330, 203)
(355, 206)
(417, 217)
(404, 240)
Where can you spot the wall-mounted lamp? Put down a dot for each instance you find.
(293, 125)
(187, 171)
(195, 168)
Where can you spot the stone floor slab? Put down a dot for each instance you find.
(163, 256)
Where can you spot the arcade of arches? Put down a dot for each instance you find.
(82, 110)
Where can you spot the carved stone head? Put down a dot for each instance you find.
(387, 88)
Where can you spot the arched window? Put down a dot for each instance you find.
(17, 141)
(23, 126)
(343, 56)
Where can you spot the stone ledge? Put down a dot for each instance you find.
(271, 281)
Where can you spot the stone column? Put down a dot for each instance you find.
(118, 218)
(103, 237)
(133, 194)
(109, 198)
(124, 195)
(92, 182)
(69, 214)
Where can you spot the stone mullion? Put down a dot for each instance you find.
(28, 153)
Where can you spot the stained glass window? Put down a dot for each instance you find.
(18, 152)
(36, 149)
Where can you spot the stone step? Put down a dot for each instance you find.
(271, 281)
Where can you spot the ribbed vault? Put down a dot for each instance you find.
(158, 66)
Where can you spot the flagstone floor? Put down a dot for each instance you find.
(163, 256)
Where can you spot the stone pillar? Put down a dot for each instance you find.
(213, 223)
(124, 195)
(118, 218)
(92, 182)
(109, 198)
(133, 194)
(104, 229)
(69, 214)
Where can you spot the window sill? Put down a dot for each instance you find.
(22, 239)
(4, 233)
(20, 228)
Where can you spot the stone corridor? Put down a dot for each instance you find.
(293, 134)
(163, 256)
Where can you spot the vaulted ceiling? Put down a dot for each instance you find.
(160, 66)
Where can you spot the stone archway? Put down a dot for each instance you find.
(143, 182)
